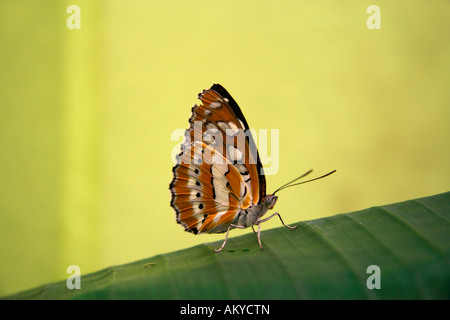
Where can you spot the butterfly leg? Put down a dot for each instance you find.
(224, 242)
(259, 235)
(277, 214)
(226, 236)
(266, 219)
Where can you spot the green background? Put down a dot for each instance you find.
(86, 116)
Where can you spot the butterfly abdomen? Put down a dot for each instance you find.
(246, 218)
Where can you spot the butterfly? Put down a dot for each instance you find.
(218, 181)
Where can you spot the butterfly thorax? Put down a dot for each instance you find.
(252, 214)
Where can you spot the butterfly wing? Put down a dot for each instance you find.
(206, 196)
(218, 171)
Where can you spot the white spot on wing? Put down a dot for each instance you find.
(219, 183)
(215, 105)
(217, 216)
(212, 127)
(223, 126)
(233, 128)
(235, 154)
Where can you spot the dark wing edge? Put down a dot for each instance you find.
(238, 113)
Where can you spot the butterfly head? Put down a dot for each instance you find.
(270, 200)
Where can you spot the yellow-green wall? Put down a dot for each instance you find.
(86, 116)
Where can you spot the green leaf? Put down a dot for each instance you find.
(326, 258)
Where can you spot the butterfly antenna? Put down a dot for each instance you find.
(291, 183)
(286, 184)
